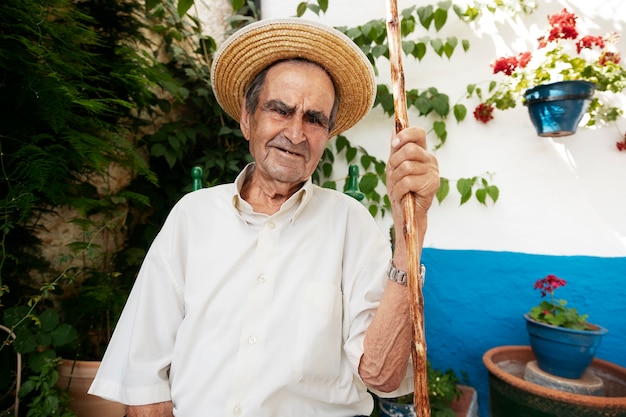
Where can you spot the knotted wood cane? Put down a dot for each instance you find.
(416, 301)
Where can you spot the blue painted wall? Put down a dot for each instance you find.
(475, 300)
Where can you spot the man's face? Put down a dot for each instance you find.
(289, 129)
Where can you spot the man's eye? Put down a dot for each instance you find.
(316, 120)
(278, 110)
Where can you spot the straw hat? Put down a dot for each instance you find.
(254, 47)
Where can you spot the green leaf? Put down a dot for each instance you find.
(441, 104)
(444, 189)
(314, 8)
(330, 184)
(407, 25)
(327, 169)
(350, 154)
(380, 50)
(171, 159)
(460, 111)
(158, 150)
(419, 50)
(466, 45)
(481, 195)
(323, 5)
(366, 161)
(449, 46)
(64, 334)
(445, 5)
(368, 182)
(423, 104)
(441, 16)
(28, 387)
(380, 168)
(184, 6)
(493, 192)
(237, 4)
(25, 340)
(440, 130)
(341, 142)
(37, 360)
(49, 320)
(437, 45)
(425, 15)
(408, 47)
(464, 187)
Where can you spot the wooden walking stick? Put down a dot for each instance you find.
(416, 304)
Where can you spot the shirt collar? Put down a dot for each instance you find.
(293, 206)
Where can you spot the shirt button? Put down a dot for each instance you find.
(261, 278)
(271, 225)
(252, 340)
(237, 410)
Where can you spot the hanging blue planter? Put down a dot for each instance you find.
(560, 351)
(557, 108)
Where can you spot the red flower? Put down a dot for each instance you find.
(548, 284)
(523, 59)
(483, 112)
(563, 27)
(508, 64)
(588, 42)
(621, 145)
(607, 57)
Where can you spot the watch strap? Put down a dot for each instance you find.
(401, 277)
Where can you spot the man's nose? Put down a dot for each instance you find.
(294, 130)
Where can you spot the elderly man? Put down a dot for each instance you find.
(272, 296)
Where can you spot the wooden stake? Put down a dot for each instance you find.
(416, 304)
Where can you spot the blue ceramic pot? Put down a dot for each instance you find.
(556, 109)
(563, 352)
(390, 408)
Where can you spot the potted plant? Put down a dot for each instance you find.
(563, 58)
(562, 339)
(447, 396)
(512, 395)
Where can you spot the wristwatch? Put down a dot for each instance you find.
(395, 275)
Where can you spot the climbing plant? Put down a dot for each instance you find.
(434, 107)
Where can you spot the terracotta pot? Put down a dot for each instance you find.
(512, 396)
(76, 377)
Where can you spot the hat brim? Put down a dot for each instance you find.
(256, 46)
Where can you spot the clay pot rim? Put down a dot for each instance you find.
(525, 353)
(595, 328)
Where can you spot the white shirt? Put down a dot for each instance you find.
(236, 313)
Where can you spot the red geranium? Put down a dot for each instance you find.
(555, 312)
(562, 54)
(548, 284)
(621, 145)
(483, 112)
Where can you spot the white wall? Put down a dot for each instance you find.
(557, 196)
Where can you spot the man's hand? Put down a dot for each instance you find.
(164, 409)
(410, 169)
(388, 340)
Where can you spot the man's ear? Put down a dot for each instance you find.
(244, 121)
